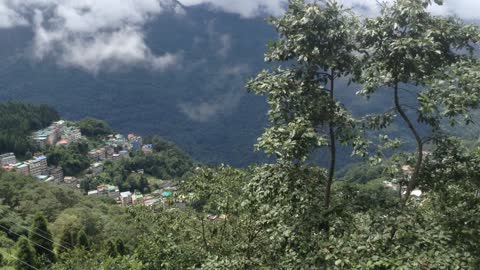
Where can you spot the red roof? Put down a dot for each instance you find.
(62, 142)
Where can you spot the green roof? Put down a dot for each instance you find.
(166, 193)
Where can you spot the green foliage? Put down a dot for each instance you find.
(29, 196)
(82, 240)
(94, 128)
(362, 173)
(275, 216)
(72, 159)
(26, 255)
(69, 212)
(434, 54)
(18, 121)
(42, 239)
(111, 249)
(67, 241)
(120, 246)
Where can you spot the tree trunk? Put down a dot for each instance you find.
(418, 164)
(332, 146)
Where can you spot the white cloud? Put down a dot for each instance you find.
(204, 111)
(100, 35)
(467, 9)
(93, 35)
(246, 8)
(8, 16)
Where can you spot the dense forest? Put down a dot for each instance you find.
(396, 209)
(18, 121)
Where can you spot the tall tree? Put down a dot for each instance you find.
(42, 238)
(67, 241)
(26, 259)
(408, 49)
(82, 240)
(318, 39)
(111, 249)
(121, 249)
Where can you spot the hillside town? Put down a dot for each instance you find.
(114, 147)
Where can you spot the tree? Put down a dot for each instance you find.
(41, 236)
(409, 49)
(82, 240)
(92, 127)
(319, 40)
(67, 241)
(120, 246)
(111, 249)
(17, 123)
(26, 255)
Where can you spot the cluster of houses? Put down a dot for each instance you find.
(37, 166)
(58, 133)
(117, 147)
(163, 197)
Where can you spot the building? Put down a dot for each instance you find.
(22, 168)
(71, 134)
(57, 174)
(8, 168)
(93, 155)
(109, 190)
(126, 198)
(38, 166)
(102, 153)
(93, 193)
(96, 168)
(416, 193)
(147, 149)
(113, 191)
(8, 159)
(63, 142)
(137, 198)
(57, 133)
(71, 181)
(109, 151)
(46, 137)
(123, 154)
(43, 178)
(59, 124)
(135, 141)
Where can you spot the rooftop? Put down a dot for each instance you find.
(125, 194)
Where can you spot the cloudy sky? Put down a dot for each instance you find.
(96, 35)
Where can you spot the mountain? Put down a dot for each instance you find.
(201, 105)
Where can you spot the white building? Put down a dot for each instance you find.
(38, 166)
(8, 159)
(126, 198)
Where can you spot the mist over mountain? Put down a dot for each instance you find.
(200, 102)
(151, 67)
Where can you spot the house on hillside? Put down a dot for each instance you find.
(8, 159)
